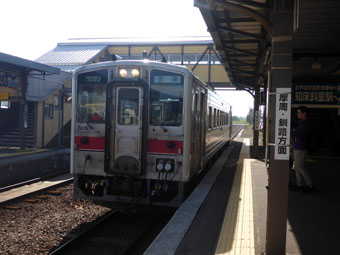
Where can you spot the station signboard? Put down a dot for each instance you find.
(282, 123)
(316, 93)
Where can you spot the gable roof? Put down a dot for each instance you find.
(68, 57)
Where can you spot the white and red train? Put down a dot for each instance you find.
(142, 131)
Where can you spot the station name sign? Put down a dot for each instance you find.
(316, 93)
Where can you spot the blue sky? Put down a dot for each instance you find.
(31, 28)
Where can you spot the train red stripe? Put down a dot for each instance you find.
(164, 146)
(90, 143)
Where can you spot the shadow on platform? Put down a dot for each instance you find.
(313, 219)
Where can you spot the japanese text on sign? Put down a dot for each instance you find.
(317, 94)
(282, 123)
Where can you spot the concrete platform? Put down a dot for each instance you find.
(20, 192)
(232, 216)
(22, 165)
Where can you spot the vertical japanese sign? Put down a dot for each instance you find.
(282, 123)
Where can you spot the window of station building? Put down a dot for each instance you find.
(189, 59)
(48, 111)
(5, 104)
(204, 60)
(210, 117)
(175, 58)
(215, 60)
(136, 57)
(157, 57)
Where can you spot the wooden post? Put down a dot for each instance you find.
(282, 51)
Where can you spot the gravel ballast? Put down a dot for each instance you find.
(38, 227)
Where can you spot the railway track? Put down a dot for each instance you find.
(118, 233)
(22, 192)
(236, 129)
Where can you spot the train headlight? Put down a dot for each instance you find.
(160, 165)
(123, 73)
(135, 72)
(168, 166)
(165, 165)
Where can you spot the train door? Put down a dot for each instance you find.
(126, 130)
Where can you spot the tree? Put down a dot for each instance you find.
(250, 116)
(236, 118)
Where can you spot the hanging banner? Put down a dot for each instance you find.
(282, 123)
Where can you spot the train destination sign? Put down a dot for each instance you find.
(93, 77)
(316, 93)
(168, 79)
(282, 123)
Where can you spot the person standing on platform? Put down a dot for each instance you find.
(303, 180)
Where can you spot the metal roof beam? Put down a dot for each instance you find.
(241, 63)
(240, 32)
(241, 41)
(243, 81)
(228, 6)
(239, 50)
(241, 71)
(236, 20)
(252, 3)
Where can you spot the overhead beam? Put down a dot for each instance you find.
(241, 63)
(236, 20)
(248, 12)
(240, 50)
(241, 41)
(241, 71)
(240, 32)
(252, 3)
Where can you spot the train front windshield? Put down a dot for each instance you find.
(91, 97)
(166, 98)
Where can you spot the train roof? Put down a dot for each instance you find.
(146, 63)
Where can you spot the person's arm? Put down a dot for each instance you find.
(298, 131)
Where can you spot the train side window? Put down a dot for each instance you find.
(221, 120)
(227, 118)
(215, 117)
(210, 117)
(218, 118)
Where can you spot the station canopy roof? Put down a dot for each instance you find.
(242, 32)
(14, 62)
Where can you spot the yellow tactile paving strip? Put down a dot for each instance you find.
(237, 232)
